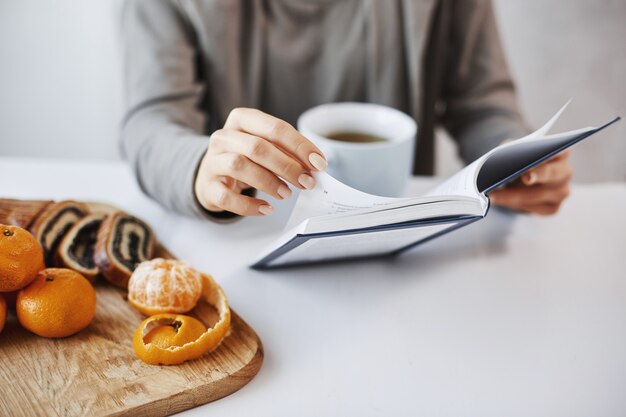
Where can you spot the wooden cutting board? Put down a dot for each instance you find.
(96, 372)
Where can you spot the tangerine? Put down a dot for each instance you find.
(21, 258)
(176, 332)
(155, 344)
(164, 286)
(58, 303)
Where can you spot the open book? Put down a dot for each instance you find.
(336, 222)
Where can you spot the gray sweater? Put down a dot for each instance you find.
(188, 63)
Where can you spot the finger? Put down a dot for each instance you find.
(257, 123)
(561, 155)
(216, 196)
(530, 178)
(552, 171)
(541, 209)
(519, 196)
(242, 169)
(264, 153)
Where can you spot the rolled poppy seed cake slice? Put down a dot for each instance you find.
(97, 207)
(53, 223)
(123, 242)
(77, 248)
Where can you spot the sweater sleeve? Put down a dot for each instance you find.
(162, 132)
(479, 100)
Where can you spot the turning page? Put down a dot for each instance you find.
(464, 181)
(332, 197)
(509, 160)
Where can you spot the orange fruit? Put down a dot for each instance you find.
(3, 312)
(58, 303)
(164, 286)
(155, 344)
(21, 257)
(176, 332)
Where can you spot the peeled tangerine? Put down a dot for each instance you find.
(164, 286)
(170, 339)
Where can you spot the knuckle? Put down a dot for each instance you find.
(288, 166)
(247, 206)
(289, 169)
(221, 198)
(279, 129)
(257, 148)
(217, 134)
(236, 162)
(270, 182)
(217, 138)
(299, 146)
(236, 113)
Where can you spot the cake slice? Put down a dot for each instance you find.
(97, 207)
(76, 250)
(123, 242)
(51, 225)
(21, 213)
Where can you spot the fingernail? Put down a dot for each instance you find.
(306, 181)
(493, 199)
(266, 210)
(284, 191)
(318, 162)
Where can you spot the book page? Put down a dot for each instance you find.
(461, 183)
(510, 161)
(543, 130)
(464, 181)
(330, 196)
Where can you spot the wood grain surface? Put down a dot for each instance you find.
(96, 372)
(21, 212)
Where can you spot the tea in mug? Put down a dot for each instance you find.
(355, 137)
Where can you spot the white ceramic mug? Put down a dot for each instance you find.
(380, 168)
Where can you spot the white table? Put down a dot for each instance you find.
(511, 316)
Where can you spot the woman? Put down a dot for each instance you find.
(215, 86)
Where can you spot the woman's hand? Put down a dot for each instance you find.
(540, 190)
(255, 150)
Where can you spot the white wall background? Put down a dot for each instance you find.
(60, 78)
(572, 48)
(61, 92)
(562, 49)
